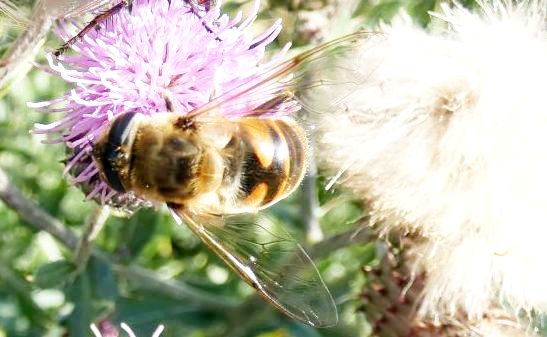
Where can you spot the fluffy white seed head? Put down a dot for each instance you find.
(445, 133)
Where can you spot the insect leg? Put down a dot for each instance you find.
(99, 19)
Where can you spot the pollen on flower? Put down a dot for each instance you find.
(193, 53)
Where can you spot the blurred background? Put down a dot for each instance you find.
(146, 270)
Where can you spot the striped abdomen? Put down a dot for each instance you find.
(274, 162)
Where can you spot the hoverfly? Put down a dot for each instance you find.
(215, 173)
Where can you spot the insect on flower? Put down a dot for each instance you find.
(102, 18)
(215, 173)
(190, 120)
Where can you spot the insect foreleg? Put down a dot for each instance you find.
(98, 20)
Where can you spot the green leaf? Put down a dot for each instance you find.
(142, 225)
(366, 254)
(383, 11)
(150, 310)
(419, 10)
(93, 294)
(20, 288)
(102, 278)
(79, 293)
(53, 274)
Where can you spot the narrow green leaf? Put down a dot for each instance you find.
(53, 274)
(103, 282)
(79, 293)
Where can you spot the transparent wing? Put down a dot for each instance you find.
(271, 262)
(282, 82)
(73, 8)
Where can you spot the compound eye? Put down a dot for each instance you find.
(116, 149)
(122, 128)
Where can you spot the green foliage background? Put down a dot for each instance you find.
(122, 283)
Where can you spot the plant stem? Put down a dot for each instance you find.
(92, 228)
(310, 205)
(38, 219)
(150, 280)
(34, 215)
(360, 234)
(21, 288)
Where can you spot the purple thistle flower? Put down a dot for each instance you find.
(190, 53)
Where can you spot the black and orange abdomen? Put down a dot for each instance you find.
(275, 160)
